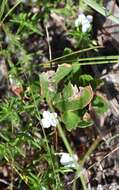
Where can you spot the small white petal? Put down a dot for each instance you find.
(72, 165)
(77, 23)
(85, 27)
(7, 39)
(49, 119)
(84, 21)
(53, 119)
(68, 160)
(46, 114)
(81, 18)
(90, 18)
(45, 123)
(54, 114)
(43, 188)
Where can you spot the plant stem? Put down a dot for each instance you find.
(10, 11)
(90, 150)
(78, 167)
(68, 55)
(69, 149)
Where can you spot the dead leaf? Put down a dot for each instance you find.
(17, 90)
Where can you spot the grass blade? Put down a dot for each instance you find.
(102, 10)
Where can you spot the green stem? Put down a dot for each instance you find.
(46, 141)
(90, 150)
(96, 62)
(78, 167)
(70, 54)
(11, 11)
(68, 147)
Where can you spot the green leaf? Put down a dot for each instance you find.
(62, 71)
(26, 22)
(67, 91)
(67, 51)
(71, 120)
(43, 85)
(96, 83)
(100, 104)
(84, 124)
(77, 101)
(75, 67)
(47, 89)
(85, 79)
(2, 8)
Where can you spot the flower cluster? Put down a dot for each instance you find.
(49, 119)
(68, 160)
(84, 21)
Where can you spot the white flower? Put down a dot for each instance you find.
(26, 1)
(49, 119)
(68, 160)
(84, 21)
(43, 188)
(7, 39)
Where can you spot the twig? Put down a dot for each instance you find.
(48, 41)
(114, 150)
